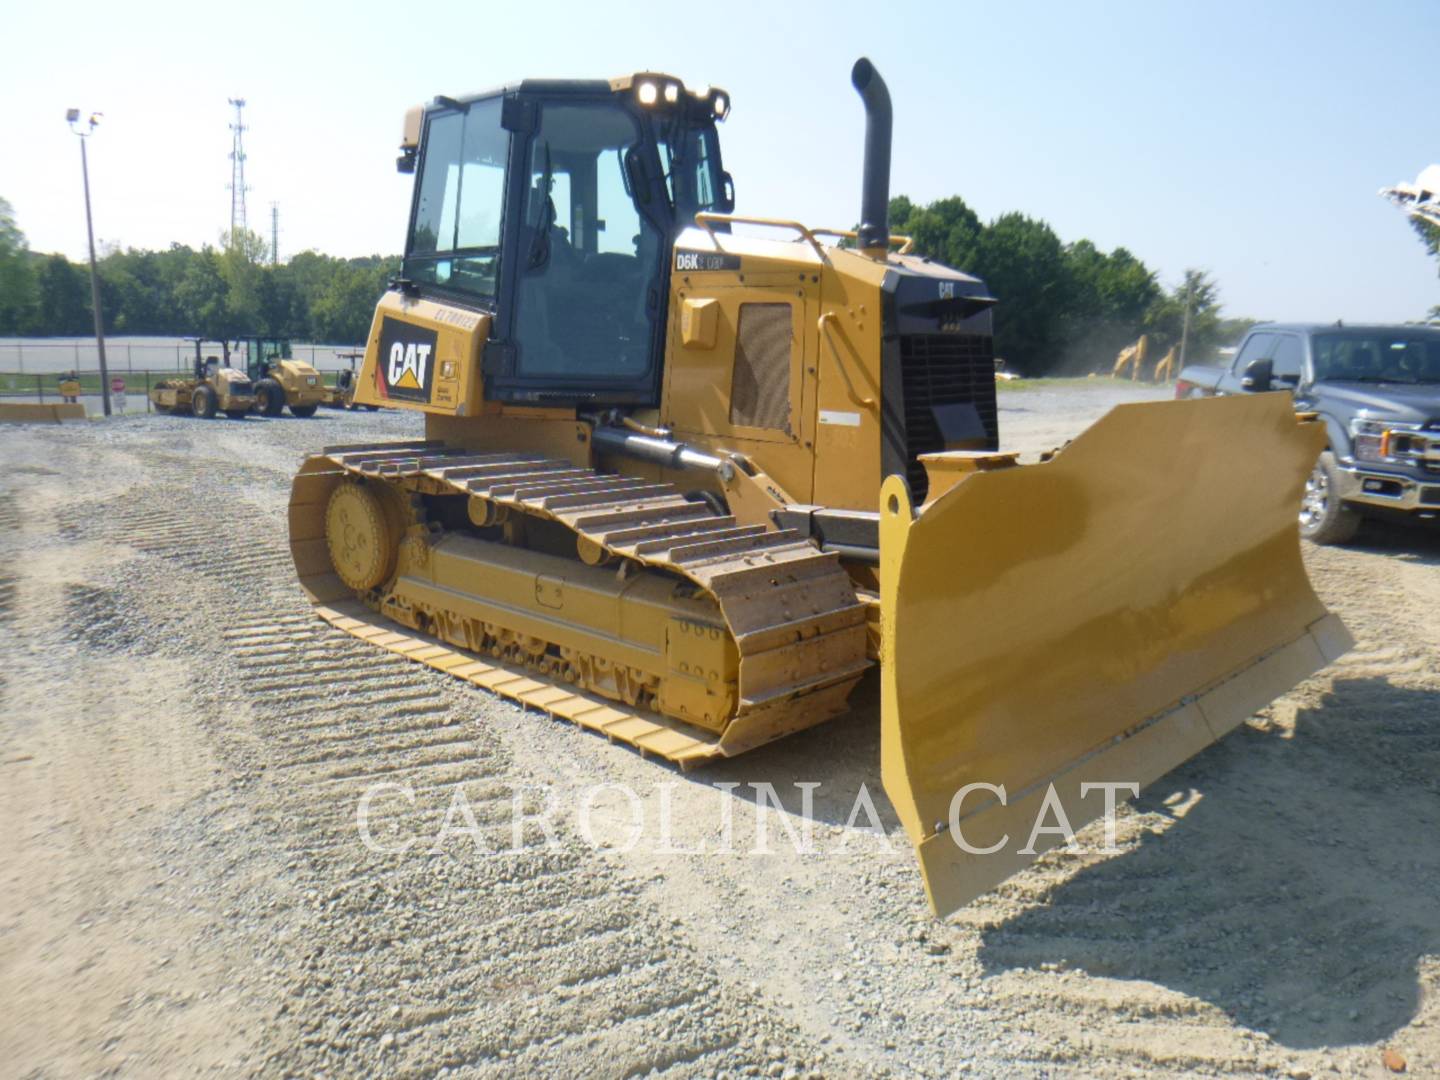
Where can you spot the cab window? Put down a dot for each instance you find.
(586, 256)
(459, 201)
(1285, 364)
(692, 170)
(1256, 347)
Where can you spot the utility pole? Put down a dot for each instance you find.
(72, 116)
(274, 234)
(237, 172)
(1185, 324)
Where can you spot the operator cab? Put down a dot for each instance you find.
(260, 353)
(553, 205)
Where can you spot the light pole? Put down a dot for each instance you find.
(72, 116)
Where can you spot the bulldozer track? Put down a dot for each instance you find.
(798, 627)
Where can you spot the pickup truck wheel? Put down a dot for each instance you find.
(1324, 519)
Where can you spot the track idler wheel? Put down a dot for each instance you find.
(362, 537)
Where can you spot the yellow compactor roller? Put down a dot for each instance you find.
(686, 487)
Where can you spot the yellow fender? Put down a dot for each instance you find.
(1097, 618)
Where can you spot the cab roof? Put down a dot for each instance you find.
(579, 87)
(1345, 327)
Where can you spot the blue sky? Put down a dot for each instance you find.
(1245, 138)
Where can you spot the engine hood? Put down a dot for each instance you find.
(1413, 403)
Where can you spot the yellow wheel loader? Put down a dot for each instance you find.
(686, 487)
(281, 380)
(213, 387)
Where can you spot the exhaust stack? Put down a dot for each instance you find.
(874, 232)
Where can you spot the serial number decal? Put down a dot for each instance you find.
(706, 260)
(466, 320)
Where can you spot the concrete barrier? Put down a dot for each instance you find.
(30, 412)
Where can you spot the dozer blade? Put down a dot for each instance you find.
(1095, 619)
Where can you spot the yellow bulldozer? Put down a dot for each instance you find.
(687, 486)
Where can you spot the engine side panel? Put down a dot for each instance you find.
(423, 355)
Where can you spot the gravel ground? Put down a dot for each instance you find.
(185, 888)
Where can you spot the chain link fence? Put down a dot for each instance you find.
(127, 355)
(47, 369)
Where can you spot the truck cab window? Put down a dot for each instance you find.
(1285, 364)
(1256, 347)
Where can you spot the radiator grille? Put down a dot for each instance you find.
(760, 387)
(943, 369)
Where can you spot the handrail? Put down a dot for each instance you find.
(824, 323)
(707, 220)
(907, 243)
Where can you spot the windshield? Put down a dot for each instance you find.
(691, 162)
(1401, 355)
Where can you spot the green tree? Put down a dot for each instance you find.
(1207, 331)
(1429, 234)
(344, 310)
(1021, 260)
(241, 265)
(18, 293)
(947, 230)
(1108, 298)
(62, 303)
(201, 296)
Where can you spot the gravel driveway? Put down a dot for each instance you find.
(186, 888)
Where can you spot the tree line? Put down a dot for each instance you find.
(1064, 307)
(219, 292)
(1429, 234)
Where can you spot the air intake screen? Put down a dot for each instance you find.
(939, 372)
(760, 385)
